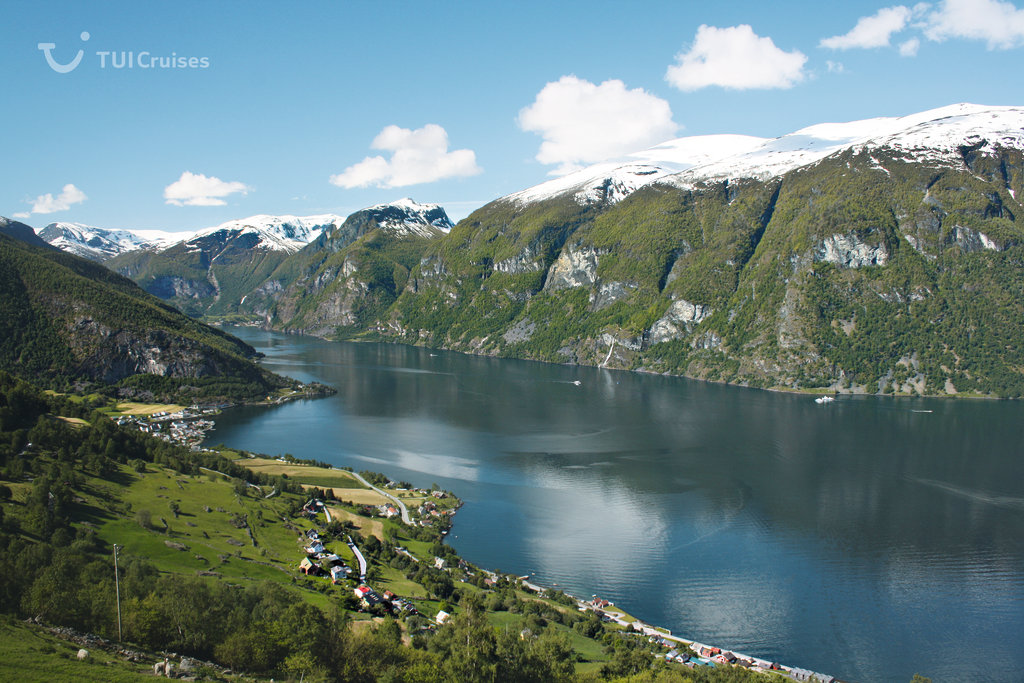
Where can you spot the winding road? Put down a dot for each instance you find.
(401, 505)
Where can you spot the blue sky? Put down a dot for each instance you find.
(443, 102)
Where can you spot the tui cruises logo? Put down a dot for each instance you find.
(47, 49)
(122, 59)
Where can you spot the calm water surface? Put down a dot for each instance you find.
(870, 539)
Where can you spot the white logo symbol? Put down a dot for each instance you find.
(57, 66)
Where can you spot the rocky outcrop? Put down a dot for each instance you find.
(339, 308)
(526, 261)
(680, 319)
(609, 292)
(431, 270)
(971, 240)
(575, 267)
(171, 287)
(850, 251)
(707, 341)
(109, 355)
(269, 288)
(520, 332)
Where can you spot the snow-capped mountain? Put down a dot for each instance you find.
(614, 180)
(276, 233)
(935, 136)
(100, 244)
(217, 269)
(406, 217)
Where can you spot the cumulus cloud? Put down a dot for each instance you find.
(998, 23)
(196, 189)
(735, 58)
(417, 156)
(581, 122)
(909, 48)
(47, 203)
(873, 31)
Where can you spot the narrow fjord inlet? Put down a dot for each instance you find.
(867, 538)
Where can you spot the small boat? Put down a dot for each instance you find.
(577, 382)
(824, 399)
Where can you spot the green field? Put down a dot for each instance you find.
(30, 654)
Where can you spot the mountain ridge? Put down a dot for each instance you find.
(862, 264)
(234, 267)
(873, 256)
(69, 322)
(690, 160)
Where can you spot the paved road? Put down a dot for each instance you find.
(401, 505)
(359, 557)
(405, 552)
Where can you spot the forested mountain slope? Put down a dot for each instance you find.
(65, 320)
(889, 263)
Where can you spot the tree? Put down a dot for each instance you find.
(144, 519)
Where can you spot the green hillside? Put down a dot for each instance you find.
(864, 273)
(66, 321)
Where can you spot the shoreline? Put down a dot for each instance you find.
(811, 392)
(664, 634)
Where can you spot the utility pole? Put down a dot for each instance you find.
(117, 587)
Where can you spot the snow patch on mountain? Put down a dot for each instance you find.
(934, 136)
(613, 180)
(407, 217)
(276, 233)
(100, 244)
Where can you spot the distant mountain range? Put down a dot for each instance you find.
(99, 244)
(227, 269)
(871, 256)
(280, 233)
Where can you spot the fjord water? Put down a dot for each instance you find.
(870, 538)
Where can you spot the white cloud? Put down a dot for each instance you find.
(735, 58)
(998, 23)
(873, 31)
(584, 123)
(196, 189)
(47, 203)
(909, 48)
(418, 156)
(835, 67)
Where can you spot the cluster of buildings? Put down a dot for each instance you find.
(319, 561)
(709, 654)
(692, 653)
(429, 511)
(369, 598)
(186, 427)
(388, 511)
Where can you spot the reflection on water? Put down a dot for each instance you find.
(860, 538)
